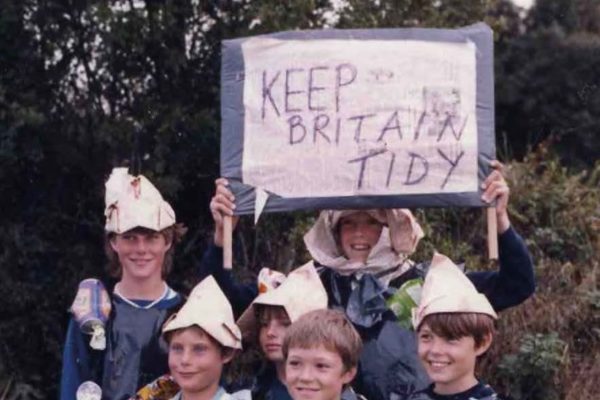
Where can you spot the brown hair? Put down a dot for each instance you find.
(266, 312)
(457, 325)
(328, 328)
(172, 235)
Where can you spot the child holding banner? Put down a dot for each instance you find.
(364, 253)
(126, 352)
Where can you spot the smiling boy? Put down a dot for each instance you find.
(282, 301)
(321, 351)
(455, 325)
(202, 338)
(140, 235)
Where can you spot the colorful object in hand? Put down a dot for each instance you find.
(91, 309)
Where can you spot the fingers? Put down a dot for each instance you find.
(494, 186)
(223, 202)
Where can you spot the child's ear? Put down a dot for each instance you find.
(348, 376)
(227, 355)
(113, 243)
(485, 344)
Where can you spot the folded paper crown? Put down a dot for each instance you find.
(448, 290)
(208, 308)
(132, 201)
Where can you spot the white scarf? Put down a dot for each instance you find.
(397, 241)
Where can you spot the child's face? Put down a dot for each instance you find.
(316, 374)
(195, 360)
(274, 322)
(359, 232)
(141, 253)
(450, 363)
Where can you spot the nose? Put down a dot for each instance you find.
(271, 332)
(141, 246)
(185, 357)
(436, 346)
(305, 374)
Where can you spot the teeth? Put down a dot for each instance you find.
(438, 364)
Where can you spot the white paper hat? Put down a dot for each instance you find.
(208, 308)
(448, 290)
(301, 292)
(132, 201)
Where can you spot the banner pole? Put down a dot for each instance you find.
(492, 233)
(227, 242)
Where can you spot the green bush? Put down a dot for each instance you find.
(529, 374)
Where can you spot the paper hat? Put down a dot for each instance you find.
(132, 201)
(208, 308)
(301, 292)
(448, 290)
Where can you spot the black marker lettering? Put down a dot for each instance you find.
(363, 164)
(312, 88)
(288, 92)
(266, 93)
(453, 164)
(295, 121)
(418, 179)
(339, 81)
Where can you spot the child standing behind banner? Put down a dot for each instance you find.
(455, 326)
(127, 351)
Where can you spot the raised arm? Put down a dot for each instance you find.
(239, 295)
(514, 281)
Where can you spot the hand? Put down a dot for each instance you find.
(495, 188)
(221, 204)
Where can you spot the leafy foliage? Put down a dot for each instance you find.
(530, 371)
(88, 85)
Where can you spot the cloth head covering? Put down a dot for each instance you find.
(301, 292)
(399, 238)
(448, 290)
(132, 201)
(208, 308)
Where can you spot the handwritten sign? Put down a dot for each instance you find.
(358, 120)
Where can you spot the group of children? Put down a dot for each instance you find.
(325, 331)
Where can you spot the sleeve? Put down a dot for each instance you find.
(514, 282)
(77, 362)
(240, 295)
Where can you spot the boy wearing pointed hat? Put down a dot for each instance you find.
(282, 300)
(455, 325)
(202, 338)
(141, 232)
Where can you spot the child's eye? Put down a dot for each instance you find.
(177, 348)
(293, 363)
(322, 366)
(199, 348)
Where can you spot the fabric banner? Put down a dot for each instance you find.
(358, 118)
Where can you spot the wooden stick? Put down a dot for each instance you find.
(227, 242)
(492, 233)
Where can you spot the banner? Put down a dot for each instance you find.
(358, 118)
